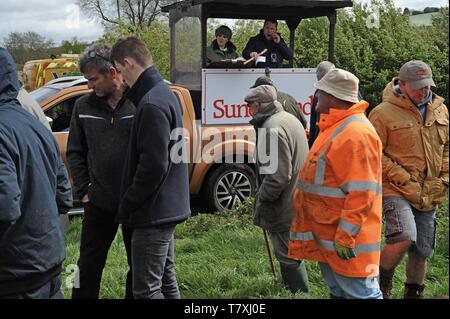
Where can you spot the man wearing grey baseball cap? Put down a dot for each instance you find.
(281, 149)
(412, 123)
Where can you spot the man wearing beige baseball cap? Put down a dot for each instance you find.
(281, 149)
(338, 197)
(412, 123)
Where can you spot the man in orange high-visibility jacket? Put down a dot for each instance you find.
(338, 196)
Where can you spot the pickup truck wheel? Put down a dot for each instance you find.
(228, 186)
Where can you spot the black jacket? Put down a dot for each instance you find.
(34, 190)
(315, 117)
(275, 52)
(155, 189)
(97, 146)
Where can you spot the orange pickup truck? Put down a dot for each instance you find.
(221, 167)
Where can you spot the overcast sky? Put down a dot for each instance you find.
(61, 20)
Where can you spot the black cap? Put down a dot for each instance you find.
(262, 80)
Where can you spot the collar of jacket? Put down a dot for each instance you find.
(260, 117)
(9, 83)
(146, 81)
(390, 95)
(102, 102)
(337, 115)
(230, 46)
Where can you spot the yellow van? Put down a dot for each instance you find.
(38, 72)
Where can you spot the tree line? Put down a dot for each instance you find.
(372, 51)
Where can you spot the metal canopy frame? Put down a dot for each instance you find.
(291, 11)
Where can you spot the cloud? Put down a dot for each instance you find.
(54, 19)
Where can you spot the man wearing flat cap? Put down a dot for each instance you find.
(337, 220)
(281, 149)
(412, 123)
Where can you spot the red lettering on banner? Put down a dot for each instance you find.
(217, 107)
(306, 107)
(233, 111)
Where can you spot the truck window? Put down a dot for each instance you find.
(44, 93)
(187, 62)
(61, 114)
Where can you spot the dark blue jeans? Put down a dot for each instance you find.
(51, 290)
(152, 256)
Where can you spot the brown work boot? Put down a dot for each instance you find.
(413, 291)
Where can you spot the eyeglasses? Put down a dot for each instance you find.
(93, 55)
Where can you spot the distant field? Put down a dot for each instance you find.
(422, 19)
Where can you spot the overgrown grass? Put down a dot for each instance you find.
(223, 255)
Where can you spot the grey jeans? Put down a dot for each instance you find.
(152, 254)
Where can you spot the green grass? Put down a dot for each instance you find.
(224, 256)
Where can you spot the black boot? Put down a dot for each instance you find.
(295, 278)
(386, 282)
(413, 291)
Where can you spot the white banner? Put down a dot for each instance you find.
(224, 91)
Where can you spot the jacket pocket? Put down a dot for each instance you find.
(410, 191)
(323, 214)
(434, 191)
(402, 134)
(393, 225)
(442, 129)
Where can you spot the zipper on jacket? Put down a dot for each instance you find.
(112, 120)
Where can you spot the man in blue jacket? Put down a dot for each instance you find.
(34, 190)
(155, 188)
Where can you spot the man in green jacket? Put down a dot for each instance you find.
(281, 149)
(221, 48)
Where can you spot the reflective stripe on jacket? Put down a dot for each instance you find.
(338, 197)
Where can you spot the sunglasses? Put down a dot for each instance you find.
(93, 55)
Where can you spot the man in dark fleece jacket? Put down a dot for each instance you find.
(268, 38)
(98, 141)
(34, 190)
(155, 186)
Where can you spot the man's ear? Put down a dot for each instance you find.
(113, 72)
(128, 62)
